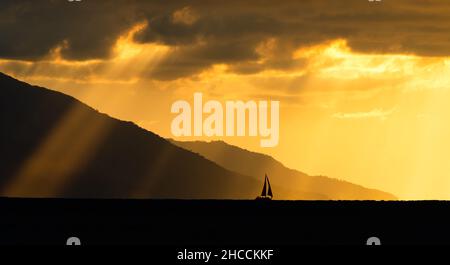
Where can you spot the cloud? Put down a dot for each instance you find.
(373, 114)
(32, 29)
(184, 16)
(205, 33)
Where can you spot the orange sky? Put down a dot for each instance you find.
(376, 119)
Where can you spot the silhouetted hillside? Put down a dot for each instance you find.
(256, 165)
(52, 145)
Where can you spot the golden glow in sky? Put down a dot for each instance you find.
(378, 120)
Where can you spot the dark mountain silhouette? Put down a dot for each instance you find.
(256, 165)
(52, 145)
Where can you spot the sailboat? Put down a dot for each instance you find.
(266, 193)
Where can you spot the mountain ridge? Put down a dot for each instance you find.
(55, 146)
(51, 108)
(257, 164)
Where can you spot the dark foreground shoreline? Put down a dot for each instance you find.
(222, 223)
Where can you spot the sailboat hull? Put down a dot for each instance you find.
(263, 198)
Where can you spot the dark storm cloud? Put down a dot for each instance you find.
(31, 29)
(222, 31)
(191, 59)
